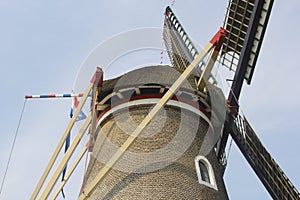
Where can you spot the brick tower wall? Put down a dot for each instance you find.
(134, 177)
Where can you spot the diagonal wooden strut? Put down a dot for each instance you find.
(69, 173)
(60, 144)
(207, 70)
(65, 159)
(95, 80)
(215, 42)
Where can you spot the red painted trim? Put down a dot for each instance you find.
(103, 112)
(98, 77)
(218, 39)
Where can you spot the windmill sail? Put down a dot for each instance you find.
(245, 23)
(179, 46)
(265, 167)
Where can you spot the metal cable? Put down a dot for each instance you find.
(12, 147)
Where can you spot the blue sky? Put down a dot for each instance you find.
(44, 43)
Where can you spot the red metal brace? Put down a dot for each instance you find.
(98, 77)
(218, 39)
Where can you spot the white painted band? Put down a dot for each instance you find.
(155, 101)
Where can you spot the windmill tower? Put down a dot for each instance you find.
(164, 161)
(155, 131)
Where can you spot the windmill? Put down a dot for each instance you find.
(235, 125)
(245, 24)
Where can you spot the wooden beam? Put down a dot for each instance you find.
(207, 70)
(69, 173)
(97, 79)
(66, 158)
(61, 143)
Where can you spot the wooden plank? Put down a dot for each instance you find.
(66, 158)
(69, 173)
(60, 144)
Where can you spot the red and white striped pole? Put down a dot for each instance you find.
(53, 96)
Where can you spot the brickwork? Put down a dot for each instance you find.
(171, 174)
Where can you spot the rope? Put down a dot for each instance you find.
(231, 91)
(229, 149)
(162, 46)
(218, 66)
(161, 57)
(227, 82)
(12, 148)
